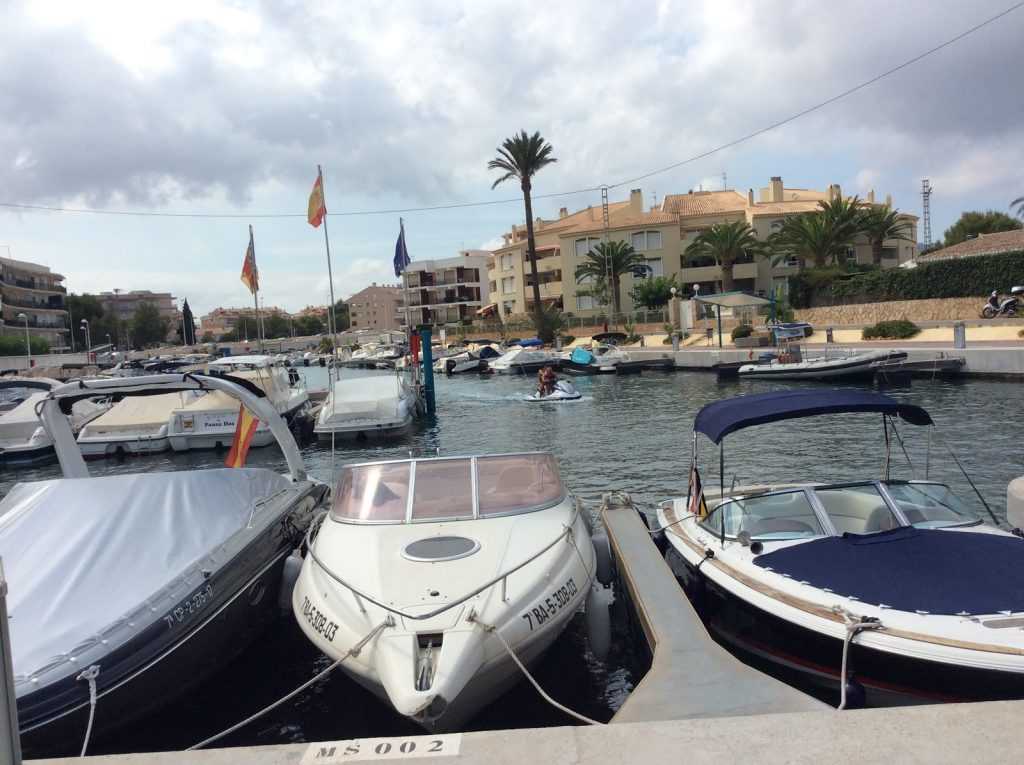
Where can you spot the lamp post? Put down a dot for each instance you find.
(88, 339)
(28, 345)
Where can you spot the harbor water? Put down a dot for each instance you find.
(628, 433)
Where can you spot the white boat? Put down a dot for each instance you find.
(433, 559)
(135, 425)
(146, 583)
(209, 421)
(368, 406)
(879, 592)
(600, 359)
(23, 439)
(523, 361)
(792, 365)
(563, 391)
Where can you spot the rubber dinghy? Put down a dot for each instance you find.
(427, 573)
(563, 391)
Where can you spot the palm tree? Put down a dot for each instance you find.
(881, 223)
(610, 259)
(1019, 204)
(522, 156)
(823, 235)
(727, 243)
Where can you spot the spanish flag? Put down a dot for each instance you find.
(245, 429)
(698, 506)
(250, 274)
(317, 208)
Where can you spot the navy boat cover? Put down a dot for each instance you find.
(719, 419)
(909, 569)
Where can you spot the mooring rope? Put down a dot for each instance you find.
(854, 625)
(557, 705)
(89, 675)
(353, 651)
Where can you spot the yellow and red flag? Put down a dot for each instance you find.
(250, 274)
(317, 208)
(245, 429)
(698, 506)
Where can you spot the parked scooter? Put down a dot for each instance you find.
(1006, 308)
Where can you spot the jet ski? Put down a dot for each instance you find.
(563, 391)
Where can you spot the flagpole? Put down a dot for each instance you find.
(255, 292)
(331, 324)
(405, 291)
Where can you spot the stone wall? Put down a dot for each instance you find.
(940, 309)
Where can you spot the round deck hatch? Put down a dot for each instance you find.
(437, 549)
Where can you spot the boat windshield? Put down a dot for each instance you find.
(447, 489)
(768, 517)
(864, 508)
(930, 505)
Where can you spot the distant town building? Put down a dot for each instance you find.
(982, 244)
(122, 305)
(318, 311)
(661, 234)
(221, 321)
(445, 292)
(36, 292)
(376, 307)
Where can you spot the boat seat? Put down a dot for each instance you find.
(777, 525)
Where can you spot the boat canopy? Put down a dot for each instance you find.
(581, 356)
(719, 419)
(447, 488)
(253, 361)
(530, 342)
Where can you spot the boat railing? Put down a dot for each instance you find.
(360, 595)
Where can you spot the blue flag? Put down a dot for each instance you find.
(402, 258)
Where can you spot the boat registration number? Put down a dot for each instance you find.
(320, 623)
(331, 752)
(551, 605)
(193, 604)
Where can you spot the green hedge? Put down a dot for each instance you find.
(743, 330)
(895, 329)
(13, 345)
(959, 277)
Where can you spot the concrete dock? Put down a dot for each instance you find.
(690, 675)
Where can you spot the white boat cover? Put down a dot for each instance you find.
(18, 425)
(138, 413)
(363, 398)
(80, 554)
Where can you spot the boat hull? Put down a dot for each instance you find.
(812, 661)
(34, 455)
(126, 446)
(161, 663)
(365, 430)
(852, 369)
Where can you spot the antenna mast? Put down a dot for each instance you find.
(926, 208)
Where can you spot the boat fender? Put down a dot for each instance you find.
(603, 557)
(599, 623)
(289, 576)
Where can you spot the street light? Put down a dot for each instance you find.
(28, 345)
(108, 343)
(88, 339)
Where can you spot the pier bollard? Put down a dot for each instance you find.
(10, 744)
(959, 335)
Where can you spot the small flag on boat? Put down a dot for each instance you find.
(317, 208)
(698, 506)
(245, 429)
(402, 258)
(251, 274)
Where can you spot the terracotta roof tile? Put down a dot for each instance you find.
(704, 203)
(983, 244)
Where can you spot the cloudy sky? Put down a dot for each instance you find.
(227, 107)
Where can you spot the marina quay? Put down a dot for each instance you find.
(476, 383)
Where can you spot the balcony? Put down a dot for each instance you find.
(8, 280)
(551, 289)
(53, 304)
(714, 273)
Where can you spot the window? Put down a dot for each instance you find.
(656, 268)
(857, 509)
(376, 493)
(930, 505)
(443, 489)
(508, 284)
(585, 303)
(517, 482)
(506, 262)
(646, 240)
(584, 246)
(783, 515)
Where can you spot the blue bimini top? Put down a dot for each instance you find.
(720, 418)
(910, 569)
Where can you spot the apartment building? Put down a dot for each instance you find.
(34, 291)
(376, 307)
(661, 234)
(443, 292)
(221, 321)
